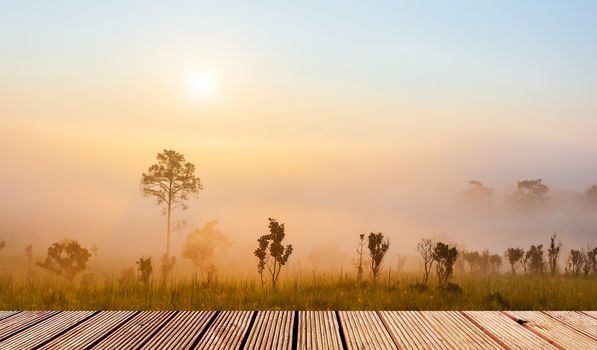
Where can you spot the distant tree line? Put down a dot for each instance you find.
(529, 194)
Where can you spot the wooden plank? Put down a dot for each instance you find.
(181, 331)
(45, 330)
(90, 331)
(412, 331)
(551, 329)
(227, 331)
(507, 330)
(458, 331)
(136, 331)
(318, 330)
(365, 330)
(591, 313)
(16, 323)
(577, 320)
(271, 330)
(5, 314)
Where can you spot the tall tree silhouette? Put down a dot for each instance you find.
(171, 181)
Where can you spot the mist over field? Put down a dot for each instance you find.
(336, 122)
(87, 188)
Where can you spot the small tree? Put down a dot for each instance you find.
(172, 182)
(167, 265)
(473, 260)
(200, 245)
(514, 255)
(576, 262)
(445, 257)
(484, 261)
(535, 260)
(477, 191)
(400, 262)
(495, 262)
(145, 270)
(29, 255)
(94, 250)
(591, 257)
(530, 194)
(591, 195)
(66, 258)
(378, 247)
(271, 252)
(360, 252)
(553, 254)
(426, 247)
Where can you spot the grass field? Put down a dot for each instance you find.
(314, 292)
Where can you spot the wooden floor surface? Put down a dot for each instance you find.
(298, 330)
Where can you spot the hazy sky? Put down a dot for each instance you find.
(335, 116)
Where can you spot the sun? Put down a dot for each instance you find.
(203, 85)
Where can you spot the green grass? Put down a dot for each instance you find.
(316, 292)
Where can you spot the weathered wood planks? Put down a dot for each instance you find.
(507, 331)
(297, 330)
(553, 330)
(365, 330)
(271, 330)
(136, 331)
(21, 321)
(89, 332)
(5, 314)
(411, 331)
(457, 331)
(577, 320)
(318, 330)
(46, 330)
(180, 332)
(227, 331)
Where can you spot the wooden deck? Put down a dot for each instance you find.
(298, 330)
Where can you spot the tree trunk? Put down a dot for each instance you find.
(168, 231)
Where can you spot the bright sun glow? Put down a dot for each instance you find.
(203, 86)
